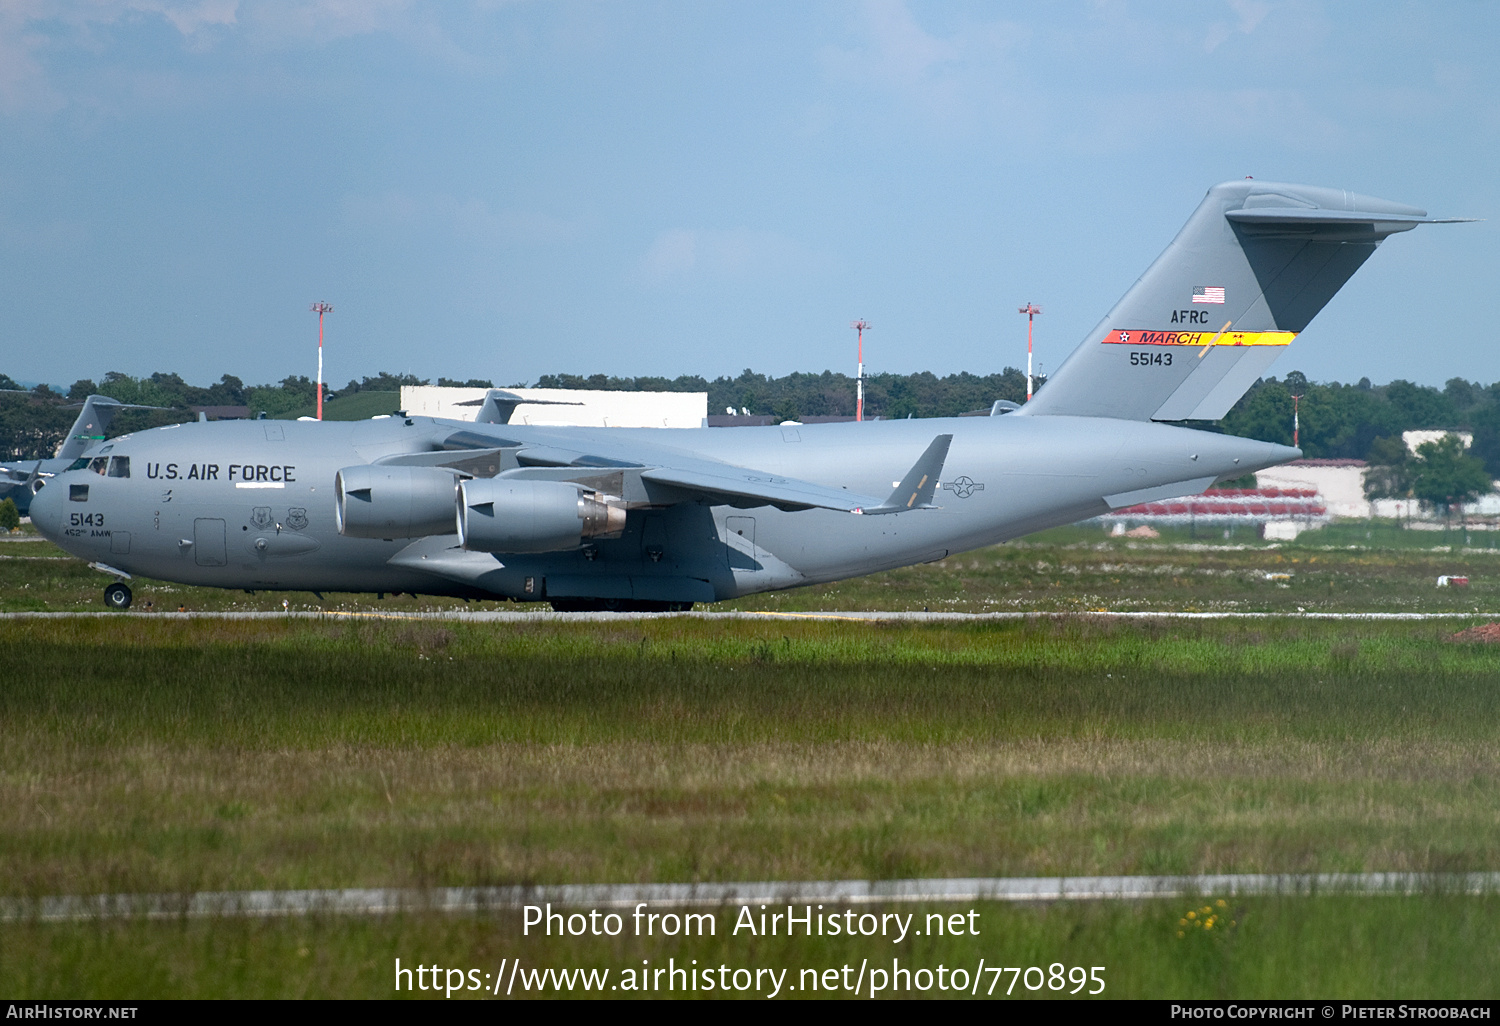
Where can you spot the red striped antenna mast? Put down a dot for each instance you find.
(1030, 310)
(860, 326)
(320, 308)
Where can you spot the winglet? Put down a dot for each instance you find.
(920, 483)
(499, 405)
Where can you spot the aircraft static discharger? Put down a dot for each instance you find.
(617, 518)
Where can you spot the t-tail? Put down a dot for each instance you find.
(1249, 270)
(92, 423)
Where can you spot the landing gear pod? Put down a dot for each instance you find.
(499, 515)
(394, 502)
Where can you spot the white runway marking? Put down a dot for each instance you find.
(508, 616)
(383, 901)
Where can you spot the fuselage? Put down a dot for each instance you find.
(251, 504)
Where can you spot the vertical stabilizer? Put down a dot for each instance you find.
(93, 421)
(1249, 270)
(498, 405)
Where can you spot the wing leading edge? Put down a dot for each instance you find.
(915, 491)
(493, 456)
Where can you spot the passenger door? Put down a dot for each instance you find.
(208, 542)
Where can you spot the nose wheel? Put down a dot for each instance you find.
(117, 596)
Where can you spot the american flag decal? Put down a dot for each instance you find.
(1208, 294)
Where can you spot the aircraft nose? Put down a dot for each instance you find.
(46, 509)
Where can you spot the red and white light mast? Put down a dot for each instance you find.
(1030, 310)
(1296, 422)
(860, 326)
(320, 308)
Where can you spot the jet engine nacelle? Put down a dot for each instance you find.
(394, 502)
(500, 515)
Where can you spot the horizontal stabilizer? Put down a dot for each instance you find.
(920, 483)
(499, 405)
(1305, 216)
(1252, 266)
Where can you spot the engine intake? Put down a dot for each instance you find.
(394, 502)
(500, 515)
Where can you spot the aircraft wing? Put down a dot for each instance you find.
(744, 483)
(662, 465)
(914, 491)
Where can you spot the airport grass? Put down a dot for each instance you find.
(140, 754)
(148, 755)
(1323, 947)
(349, 406)
(1070, 569)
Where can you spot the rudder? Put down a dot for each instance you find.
(1252, 266)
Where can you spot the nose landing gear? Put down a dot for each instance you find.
(117, 596)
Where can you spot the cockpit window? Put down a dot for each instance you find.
(99, 464)
(79, 463)
(119, 466)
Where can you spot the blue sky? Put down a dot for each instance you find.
(506, 189)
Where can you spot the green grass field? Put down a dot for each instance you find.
(350, 406)
(144, 754)
(1069, 570)
(171, 755)
(1318, 948)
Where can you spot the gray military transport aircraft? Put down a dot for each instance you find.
(658, 519)
(19, 481)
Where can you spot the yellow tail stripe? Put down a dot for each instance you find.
(1141, 337)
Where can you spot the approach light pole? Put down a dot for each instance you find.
(860, 326)
(1296, 422)
(320, 308)
(1030, 310)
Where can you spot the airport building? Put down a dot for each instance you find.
(581, 407)
(1299, 496)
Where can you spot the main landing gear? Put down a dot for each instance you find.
(117, 596)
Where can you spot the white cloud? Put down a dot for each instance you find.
(33, 31)
(945, 77)
(678, 254)
(461, 218)
(1247, 15)
(322, 21)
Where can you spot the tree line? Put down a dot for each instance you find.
(1358, 421)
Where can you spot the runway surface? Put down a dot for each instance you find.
(383, 901)
(507, 616)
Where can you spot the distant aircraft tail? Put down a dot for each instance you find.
(92, 423)
(498, 405)
(1249, 270)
